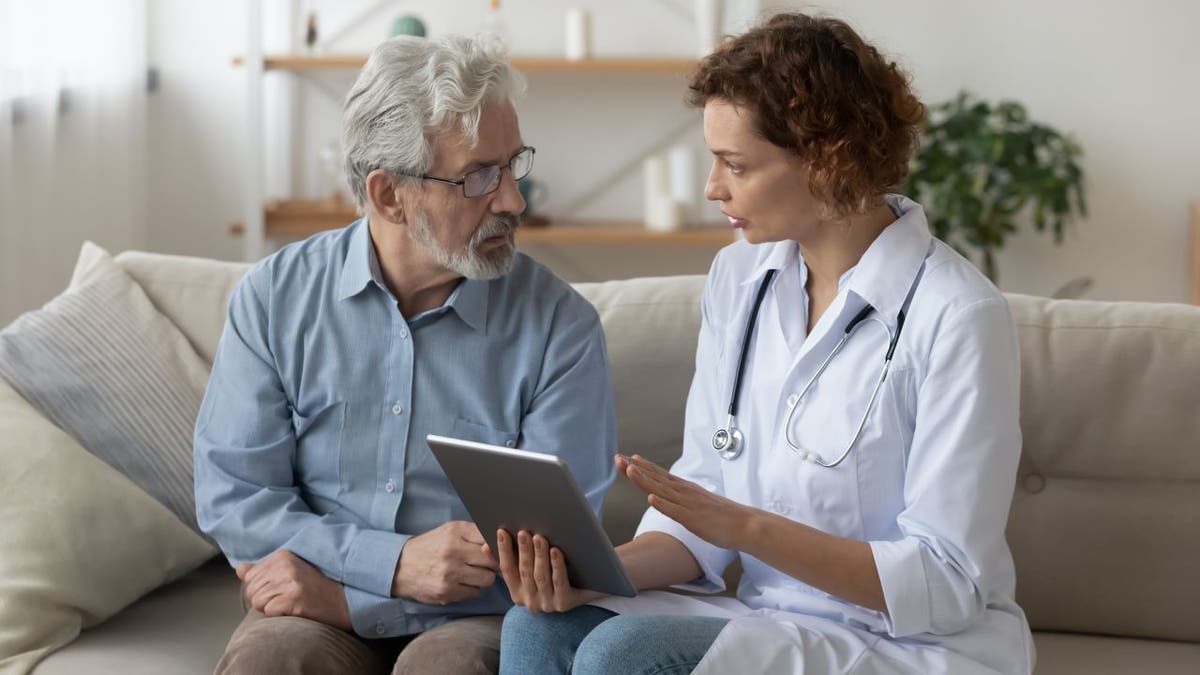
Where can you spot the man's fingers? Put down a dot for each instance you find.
(469, 532)
(242, 569)
(277, 606)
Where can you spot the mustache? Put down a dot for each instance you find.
(503, 224)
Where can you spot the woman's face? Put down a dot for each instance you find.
(762, 188)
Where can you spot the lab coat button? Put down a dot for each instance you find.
(1034, 483)
(791, 400)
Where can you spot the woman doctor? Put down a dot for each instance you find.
(852, 429)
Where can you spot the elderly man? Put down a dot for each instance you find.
(343, 351)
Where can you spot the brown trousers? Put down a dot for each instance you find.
(286, 644)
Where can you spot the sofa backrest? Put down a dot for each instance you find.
(1105, 522)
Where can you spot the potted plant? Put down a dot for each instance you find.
(983, 170)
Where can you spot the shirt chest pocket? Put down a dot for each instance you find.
(319, 447)
(481, 433)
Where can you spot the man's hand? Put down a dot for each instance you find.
(536, 574)
(444, 565)
(283, 584)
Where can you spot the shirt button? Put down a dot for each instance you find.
(397, 409)
(380, 629)
(403, 333)
(510, 444)
(390, 486)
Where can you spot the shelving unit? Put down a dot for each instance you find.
(298, 218)
(526, 64)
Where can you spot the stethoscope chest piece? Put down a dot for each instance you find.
(727, 442)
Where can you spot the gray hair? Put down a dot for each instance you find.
(412, 89)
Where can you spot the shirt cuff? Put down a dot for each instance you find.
(375, 616)
(712, 559)
(905, 587)
(371, 563)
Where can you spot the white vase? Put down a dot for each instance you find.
(710, 16)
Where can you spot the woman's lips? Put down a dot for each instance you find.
(735, 222)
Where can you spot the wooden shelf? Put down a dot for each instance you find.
(527, 64)
(299, 218)
(1196, 253)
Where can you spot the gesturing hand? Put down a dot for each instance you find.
(536, 574)
(444, 565)
(721, 522)
(283, 584)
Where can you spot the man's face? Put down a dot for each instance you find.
(471, 236)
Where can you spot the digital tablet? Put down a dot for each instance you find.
(520, 490)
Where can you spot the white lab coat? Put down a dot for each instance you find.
(928, 484)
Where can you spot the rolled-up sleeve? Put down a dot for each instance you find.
(959, 477)
(698, 462)
(245, 449)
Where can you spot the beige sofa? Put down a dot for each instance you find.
(1105, 523)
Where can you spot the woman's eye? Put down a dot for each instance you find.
(734, 168)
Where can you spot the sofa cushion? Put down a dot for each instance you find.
(79, 540)
(1067, 654)
(192, 292)
(651, 326)
(102, 364)
(1105, 521)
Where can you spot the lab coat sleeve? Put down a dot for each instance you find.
(959, 477)
(699, 463)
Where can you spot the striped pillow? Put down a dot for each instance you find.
(101, 363)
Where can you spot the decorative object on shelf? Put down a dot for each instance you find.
(662, 213)
(984, 169)
(329, 161)
(310, 33)
(578, 31)
(408, 24)
(710, 15)
(681, 167)
(534, 194)
(494, 23)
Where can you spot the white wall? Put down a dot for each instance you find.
(1120, 77)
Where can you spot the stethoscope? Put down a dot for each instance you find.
(728, 440)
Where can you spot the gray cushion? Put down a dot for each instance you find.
(103, 365)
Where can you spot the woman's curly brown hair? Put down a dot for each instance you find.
(817, 89)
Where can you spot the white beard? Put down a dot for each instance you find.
(469, 262)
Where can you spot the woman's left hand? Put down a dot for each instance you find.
(719, 521)
(536, 573)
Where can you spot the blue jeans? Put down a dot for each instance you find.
(590, 640)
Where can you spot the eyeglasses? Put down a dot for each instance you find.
(486, 180)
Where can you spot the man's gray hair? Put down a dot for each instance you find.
(410, 90)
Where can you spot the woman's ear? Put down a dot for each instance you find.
(384, 195)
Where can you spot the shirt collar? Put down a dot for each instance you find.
(360, 266)
(778, 256)
(469, 300)
(884, 275)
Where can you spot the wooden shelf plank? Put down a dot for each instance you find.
(1196, 253)
(528, 64)
(299, 218)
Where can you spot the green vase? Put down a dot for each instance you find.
(408, 24)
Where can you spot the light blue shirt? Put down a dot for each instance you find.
(311, 437)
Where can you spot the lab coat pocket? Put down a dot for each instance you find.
(319, 448)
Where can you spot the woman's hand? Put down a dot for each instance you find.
(536, 575)
(721, 522)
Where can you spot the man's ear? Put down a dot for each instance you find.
(384, 194)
